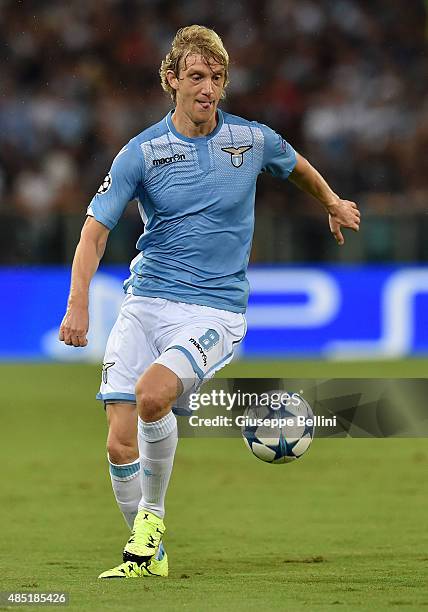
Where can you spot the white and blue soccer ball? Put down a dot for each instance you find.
(278, 431)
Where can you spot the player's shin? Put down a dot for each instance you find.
(125, 480)
(157, 442)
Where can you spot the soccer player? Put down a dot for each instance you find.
(194, 177)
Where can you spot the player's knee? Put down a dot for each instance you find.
(150, 404)
(121, 451)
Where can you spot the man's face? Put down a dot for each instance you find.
(199, 88)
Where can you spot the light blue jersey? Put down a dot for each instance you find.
(196, 198)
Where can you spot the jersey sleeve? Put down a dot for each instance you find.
(119, 186)
(279, 157)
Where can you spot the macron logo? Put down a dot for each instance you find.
(169, 160)
(200, 349)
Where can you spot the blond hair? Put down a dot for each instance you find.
(193, 40)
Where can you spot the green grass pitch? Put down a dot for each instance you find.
(344, 528)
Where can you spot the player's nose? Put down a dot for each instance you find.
(207, 87)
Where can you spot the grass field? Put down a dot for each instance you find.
(344, 528)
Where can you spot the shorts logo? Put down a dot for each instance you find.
(200, 349)
(169, 160)
(205, 343)
(105, 185)
(106, 366)
(237, 154)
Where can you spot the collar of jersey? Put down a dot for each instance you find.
(218, 127)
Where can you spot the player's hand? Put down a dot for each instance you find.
(343, 213)
(74, 326)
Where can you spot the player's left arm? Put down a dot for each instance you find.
(341, 213)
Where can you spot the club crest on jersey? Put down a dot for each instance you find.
(105, 185)
(237, 154)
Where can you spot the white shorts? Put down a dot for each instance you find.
(191, 340)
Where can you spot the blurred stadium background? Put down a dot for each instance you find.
(345, 82)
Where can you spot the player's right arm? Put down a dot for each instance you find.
(89, 251)
(104, 211)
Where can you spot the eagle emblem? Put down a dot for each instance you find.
(237, 154)
(106, 366)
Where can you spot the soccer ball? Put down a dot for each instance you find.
(278, 430)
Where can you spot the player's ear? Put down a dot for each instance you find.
(172, 79)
